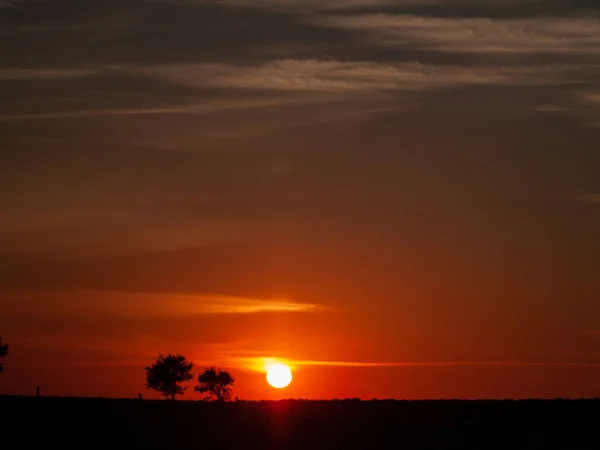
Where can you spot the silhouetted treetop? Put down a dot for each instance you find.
(216, 382)
(167, 374)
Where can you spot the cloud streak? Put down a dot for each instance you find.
(261, 364)
(323, 51)
(475, 35)
(208, 107)
(343, 76)
(290, 82)
(140, 305)
(306, 6)
(16, 74)
(587, 198)
(592, 332)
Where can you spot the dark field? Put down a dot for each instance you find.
(47, 422)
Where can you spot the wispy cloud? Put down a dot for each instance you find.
(591, 97)
(345, 76)
(291, 82)
(451, 363)
(261, 364)
(310, 5)
(590, 101)
(44, 74)
(479, 35)
(95, 113)
(587, 198)
(298, 82)
(208, 107)
(96, 303)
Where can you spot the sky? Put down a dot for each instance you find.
(400, 199)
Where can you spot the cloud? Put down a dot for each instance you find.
(321, 52)
(497, 9)
(94, 113)
(261, 364)
(131, 304)
(38, 34)
(589, 100)
(587, 198)
(335, 76)
(309, 5)
(44, 74)
(592, 97)
(331, 81)
(474, 35)
(270, 85)
(207, 107)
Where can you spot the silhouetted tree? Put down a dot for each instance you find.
(167, 374)
(216, 382)
(3, 353)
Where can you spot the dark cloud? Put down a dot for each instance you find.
(155, 32)
(494, 9)
(66, 33)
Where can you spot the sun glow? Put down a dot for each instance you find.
(279, 375)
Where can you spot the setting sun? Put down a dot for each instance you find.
(279, 375)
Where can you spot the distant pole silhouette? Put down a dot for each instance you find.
(3, 353)
(37, 391)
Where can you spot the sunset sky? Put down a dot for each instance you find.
(398, 198)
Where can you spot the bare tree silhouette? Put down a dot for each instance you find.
(167, 373)
(216, 382)
(3, 353)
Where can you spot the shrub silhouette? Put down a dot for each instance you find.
(216, 382)
(167, 374)
(3, 353)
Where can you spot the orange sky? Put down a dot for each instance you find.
(358, 187)
(85, 342)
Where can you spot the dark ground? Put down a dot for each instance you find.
(49, 422)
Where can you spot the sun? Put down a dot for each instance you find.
(279, 375)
